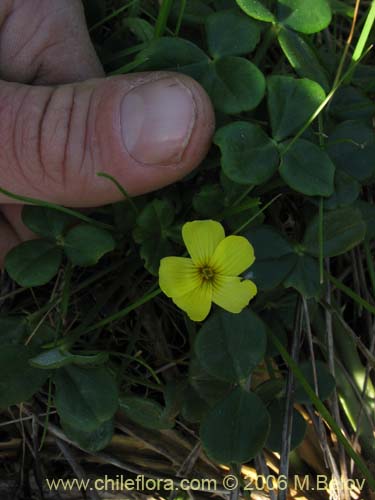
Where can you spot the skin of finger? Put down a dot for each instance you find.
(8, 240)
(58, 50)
(46, 42)
(59, 138)
(13, 215)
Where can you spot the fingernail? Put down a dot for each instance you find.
(157, 121)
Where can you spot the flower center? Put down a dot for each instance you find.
(207, 273)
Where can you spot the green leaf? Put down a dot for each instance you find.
(305, 277)
(234, 84)
(18, 380)
(274, 257)
(302, 57)
(195, 11)
(33, 263)
(13, 329)
(154, 232)
(46, 222)
(85, 245)
(209, 201)
(249, 156)
(85, 397)
(305, 16)
(346, 191)
(231, 33)
(145, 412)
(352, 148)
(141, 28)
(307, 169)
(350, 103)
(209, 388)
(230, 346)
(194, 407)
(91, 441)
(173, 53)
(57, 358)
(276, 326)
(256, 9)
(343, 229)
(326, 383)
(235, 430)
(54, 358)
(277, 412)
(368, 216)
(291, 102)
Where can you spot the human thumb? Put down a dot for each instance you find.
(146, 130)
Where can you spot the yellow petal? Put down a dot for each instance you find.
(177, 276)
(232, 256)
(197, 303)
(232, 293)
(201, 237)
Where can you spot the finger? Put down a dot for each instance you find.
(58, 50)
(13, 215)
(146, 130)
(45, 41)
(8, 240)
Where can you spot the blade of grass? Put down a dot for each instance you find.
(349, 292)
(161, 21)
(112, 15)
(325, 102)
(321, 408)
(120, 188)
(365, 33)
(180, 17)
(41, 203)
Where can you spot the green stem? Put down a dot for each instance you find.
(161, 22)
(46, 204)
(349, 292)
(370, 265)
(180, 17)
(365, 33)
(76, 334)
(112, 15)
(267, 40)
(325, 414)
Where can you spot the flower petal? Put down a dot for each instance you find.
(201, 237)
(177, 276)
(232, 256)
(197, 303)
(232, 293)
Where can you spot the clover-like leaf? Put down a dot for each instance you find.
(18, 379)
(248, 155)
(230, 32)
(230, 346)
(275, 257)
(302, 57)
(291, 102)
(234, 84)
(351, 146)
(257, 10)
(343, 229)
(85, 245)
(33, 263)
(85, 397)
(305, 16)
(228, 434)
(308, 169)
(46, 222)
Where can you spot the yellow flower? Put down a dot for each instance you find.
(211, 274)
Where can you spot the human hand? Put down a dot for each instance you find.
(146, 130)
